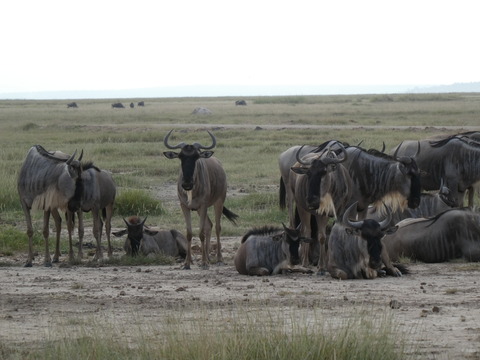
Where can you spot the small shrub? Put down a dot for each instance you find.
(29, 126)
(136, 202)
(12, 239)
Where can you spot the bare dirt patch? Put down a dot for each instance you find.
(436, 305)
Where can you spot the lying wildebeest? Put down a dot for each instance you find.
(355, 248)
(450, 235)
(47, 181)
(117, 106)
(202, 183)
(95, 191)
(72, 105)
(143, 240)
(268, 251)
(454, 160)
(141, 103)
(240, 103)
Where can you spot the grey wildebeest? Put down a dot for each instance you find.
(95, 192)
(240, 103)
(455, 160)
(117, 106)
(450, 235)
(268, 251)
(47, 181)
(202, 183)
(356, 250)
(144, 240)
(72, 105)
(321, 187)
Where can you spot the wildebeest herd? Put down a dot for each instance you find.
(352, 211)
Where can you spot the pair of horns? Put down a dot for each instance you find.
(197, 146)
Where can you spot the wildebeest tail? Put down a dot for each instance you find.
(230, 215)
(282, 194)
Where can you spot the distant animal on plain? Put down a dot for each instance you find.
(268, 251)
(72, 105)
(132, 105)
(141, 103)
(240, 103)
(144, 240)
(202, 183)
(117, 106)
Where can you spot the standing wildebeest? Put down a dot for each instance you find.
(95, 192)
(141, 103)
(117, 106)
(141, 239)
(450, 235)
(72, 105)
(268, 251)
(132, 105)
(455, 160)
(202, 183)
(355, 248)
(240, 103)
(380, 179)
(47, 181)
(322, 189)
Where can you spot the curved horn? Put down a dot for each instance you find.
(346, 217)
(81, 156)
(383, 148)
(298, 157)
(200, 146)
(143, 222)
(165, 142)
(385, 222)
(396, 150)
(337, 159)
(126, 222)
(70, 159)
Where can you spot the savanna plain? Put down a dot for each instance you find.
(149, 308)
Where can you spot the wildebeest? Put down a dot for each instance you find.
(240, 103)
(322, 189)
(202, 183)
(380, 179)
(141, 103)
(95, 192)
(47, 181)
(143, 240)
(455, 160)
(355, 248)
(450, 235)
(72, 105)
(117, 106)
(268, 251)
(132, 105)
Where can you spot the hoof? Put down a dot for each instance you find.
(48, 264)
(28, 264)
(186, 267)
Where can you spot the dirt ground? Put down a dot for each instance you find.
(436, 305)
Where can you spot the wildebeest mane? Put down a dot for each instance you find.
(264, 230)
(461, 137)
(323, 146)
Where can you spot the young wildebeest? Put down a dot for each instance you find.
(355, 248)
(450, 235)
(145, 241)
(202, 183)
(268, 251)
(47, 181)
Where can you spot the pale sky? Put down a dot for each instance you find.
(52, 45)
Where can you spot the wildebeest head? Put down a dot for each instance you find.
(135, 229)
(292, 238)
(316, 167)
(370, 231)
(188, 156)
(409, 168)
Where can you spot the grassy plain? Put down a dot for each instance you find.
(129, 142)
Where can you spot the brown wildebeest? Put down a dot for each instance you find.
(47, 181)
(144, 240)
(202, 183)
(268, 251)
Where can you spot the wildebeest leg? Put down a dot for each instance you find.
(81, 233)
(97, 233)
(258, 271)
(322, 239)
(28, 219)
(218, 207)
(70, 221)
(305, 231)
(208, 236)
(391, 270)
(108, 227)
(188, 223)
(46, 218)
(202, 213)
(58, 229)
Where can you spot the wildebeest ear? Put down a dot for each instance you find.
(170, 154)
(391, 230)
(300, 170)
(119, 233)
(150, 232)
(277, 237)
(206, 154)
